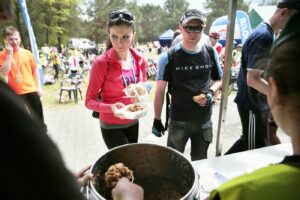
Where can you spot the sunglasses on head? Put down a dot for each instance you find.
(195, 29)
(121, 14)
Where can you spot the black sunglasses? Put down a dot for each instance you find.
(121, 14)
(195, 29)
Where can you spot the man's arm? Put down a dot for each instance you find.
(36, 74)
(125, 190)
(159, 98)
(216, 85)
(5, 68)
(36, 77)
(255, 80)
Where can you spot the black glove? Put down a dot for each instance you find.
(158, 128)
(210, 95)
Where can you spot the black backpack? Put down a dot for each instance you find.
(168, 93)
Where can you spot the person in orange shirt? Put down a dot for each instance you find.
(20, 70)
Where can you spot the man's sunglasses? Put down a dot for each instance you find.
(121, 14)
(195, 29)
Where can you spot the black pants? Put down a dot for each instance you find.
(120, 136)
(34, 104)
(255, 131)
(199, 135)
(56, 68)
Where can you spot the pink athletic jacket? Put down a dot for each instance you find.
(106, 73)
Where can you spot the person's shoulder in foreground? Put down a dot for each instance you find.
(279, 181)
(31, 166)
(29, 159)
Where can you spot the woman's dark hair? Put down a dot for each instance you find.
(117, 18)
(283, 65)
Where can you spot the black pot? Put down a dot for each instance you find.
(163, 172)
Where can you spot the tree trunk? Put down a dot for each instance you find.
(47, 22)
(19, 26)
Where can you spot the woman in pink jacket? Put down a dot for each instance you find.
(111, 73)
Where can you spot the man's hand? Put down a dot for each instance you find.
(210, 95)
(115, 109)
(204, 99)
(9, 48)
(201, 99)
(40, 91)
(83, 176)
(125, 190)
(158, 128)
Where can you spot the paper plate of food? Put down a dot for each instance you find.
(133, 111)
(137, 91)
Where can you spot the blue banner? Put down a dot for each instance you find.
(241, 31)
(244, 24)
(33, 44)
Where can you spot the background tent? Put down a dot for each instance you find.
(242, 27)
(260, 13)
(165, 39)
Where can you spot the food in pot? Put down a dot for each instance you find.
(115, 172)
(134, 108)
(160, 188)
(169, 176)
(199, 97)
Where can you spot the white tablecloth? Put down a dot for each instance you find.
(215, 171)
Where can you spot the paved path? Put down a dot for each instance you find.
(78, 135)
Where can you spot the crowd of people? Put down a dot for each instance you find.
(58, 64)
(191, 72)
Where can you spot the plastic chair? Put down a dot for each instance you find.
(71, 86)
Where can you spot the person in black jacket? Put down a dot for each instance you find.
(31, 164)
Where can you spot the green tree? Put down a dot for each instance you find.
(97, 11)
(219, 8)
(152, 22)
(55, 21)
(52, 20)
(17, 22)
(174, 10)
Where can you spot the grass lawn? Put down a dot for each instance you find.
(50, 97)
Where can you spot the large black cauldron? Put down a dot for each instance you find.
(164, 173)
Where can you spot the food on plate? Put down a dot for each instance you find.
(130, 90)
(115, 172)
(140, 90)
(134, 108)
(133, 90)
(199, 97)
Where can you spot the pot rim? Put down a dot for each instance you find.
(196, 179)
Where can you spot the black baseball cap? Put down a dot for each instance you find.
(192, 14)
(289, 4)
